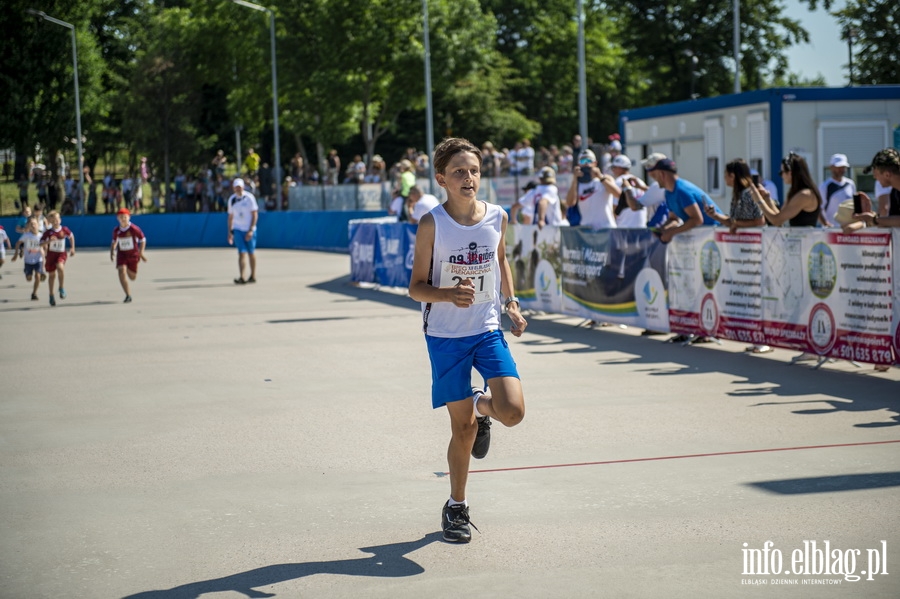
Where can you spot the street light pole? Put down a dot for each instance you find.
(429, 109)
(71, 27)
(852, 33)
(737, 46)
(274, 90)
(582, 82)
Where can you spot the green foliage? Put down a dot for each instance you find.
(876, 51)
(172, 78)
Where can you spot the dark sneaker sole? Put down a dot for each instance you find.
(461, 539)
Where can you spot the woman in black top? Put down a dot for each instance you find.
(803, 202)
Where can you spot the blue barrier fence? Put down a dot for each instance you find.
(278, 230)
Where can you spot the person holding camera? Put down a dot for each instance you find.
(593, 192)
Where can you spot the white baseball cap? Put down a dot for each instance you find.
(621, 161)
(839, 160)
(587, 154)
(650, 161)
(615, 145)
(238, 183)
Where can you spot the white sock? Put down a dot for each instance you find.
(453, 502)
(475, 397)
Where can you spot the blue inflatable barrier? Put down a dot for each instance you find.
(327, 230)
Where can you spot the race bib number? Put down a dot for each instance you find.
(32, 246)
(126, 243)
(58, 245)
(481, 274)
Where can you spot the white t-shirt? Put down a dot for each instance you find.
(3, 239)
(466, 252)
(31, 248)
(396, 205)
(525, 160)
(596, 205)
(527, 204)
(552, 215)
(842, 191)
(426, 204)
(628, 218)
(242, 208)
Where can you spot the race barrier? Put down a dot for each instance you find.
(323, 230)
(814, 290)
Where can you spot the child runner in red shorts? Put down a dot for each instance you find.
(130, 242)
(54, 240)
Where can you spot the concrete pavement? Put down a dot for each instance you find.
(221, 441)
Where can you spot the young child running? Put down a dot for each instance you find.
(54, 240)
(130, 241)
(459, 273)
(29, 247)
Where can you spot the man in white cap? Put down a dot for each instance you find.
(835, 190)
(243, 213)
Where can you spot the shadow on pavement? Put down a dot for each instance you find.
(386, 561)
(830, 484)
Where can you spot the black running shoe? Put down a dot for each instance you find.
(455, 522)
(483, 437)
(127, 299)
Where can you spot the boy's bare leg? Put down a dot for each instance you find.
(252, 266)
(61, 273)
(463, 428)
(504, 401)
(51, 279)
(123, 279)
(37, 283)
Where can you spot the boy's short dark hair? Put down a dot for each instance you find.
(448, 148)
(887, 159)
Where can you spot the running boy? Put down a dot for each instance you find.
(459, 273)
(130, 241)
(29, 247)
(54, 240)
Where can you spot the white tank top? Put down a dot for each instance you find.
(462, 252)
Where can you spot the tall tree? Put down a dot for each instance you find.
(664, 38)
(876, 54)
(37, 106)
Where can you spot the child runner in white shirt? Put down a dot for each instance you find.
(459, 272)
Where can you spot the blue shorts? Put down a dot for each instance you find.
(243, 246)
(31, 269)
(452, 361)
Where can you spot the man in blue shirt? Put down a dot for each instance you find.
(686, 202)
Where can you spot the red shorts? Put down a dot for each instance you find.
(128, 259)
(54, 258)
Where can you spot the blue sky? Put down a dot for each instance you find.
(826, 53)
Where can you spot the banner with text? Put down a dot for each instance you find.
(615, 275)
(829, 293)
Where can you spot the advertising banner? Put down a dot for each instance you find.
(895, 333)
(614, 275)
(828, 293)
(734, 308)
(362, 252)
(394, 243)
(695, 264)
(535, 258)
